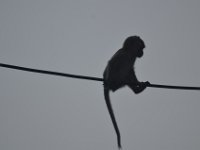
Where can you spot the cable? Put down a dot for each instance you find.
(50, 72)
(173, 87)
(89, 78)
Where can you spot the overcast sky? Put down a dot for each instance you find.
(41, 112)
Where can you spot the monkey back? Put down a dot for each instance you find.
(118, 70)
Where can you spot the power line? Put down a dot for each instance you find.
(50, 72)
(89, 77)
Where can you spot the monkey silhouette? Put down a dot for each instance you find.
(120, 72)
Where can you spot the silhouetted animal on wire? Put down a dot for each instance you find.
(120, 72)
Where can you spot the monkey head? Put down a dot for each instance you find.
(134, 45)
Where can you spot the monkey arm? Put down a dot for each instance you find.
(134, 83)
(138, 87)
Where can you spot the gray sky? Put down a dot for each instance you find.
(41, 112)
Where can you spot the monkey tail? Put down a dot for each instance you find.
(112, 116)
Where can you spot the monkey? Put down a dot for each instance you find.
(120, 72)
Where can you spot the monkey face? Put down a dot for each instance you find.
(140, 53)
(140, 46)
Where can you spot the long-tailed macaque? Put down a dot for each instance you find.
(120, 72)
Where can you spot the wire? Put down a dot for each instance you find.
(50, 72)
(89, 77)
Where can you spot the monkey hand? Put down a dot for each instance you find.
(144, 84)
(141, 86)
(147, 83)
